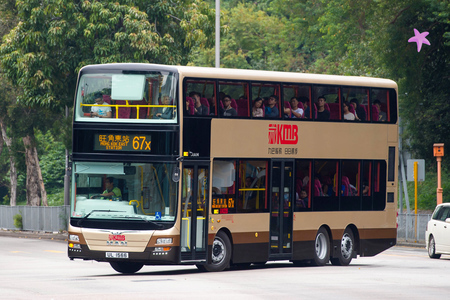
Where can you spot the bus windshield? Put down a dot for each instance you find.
(124, 191)
(120, 98)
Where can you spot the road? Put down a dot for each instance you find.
(39, 269)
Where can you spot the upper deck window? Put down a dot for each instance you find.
(127, 98)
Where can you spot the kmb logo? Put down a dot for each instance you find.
(117, 237)
(283, 134)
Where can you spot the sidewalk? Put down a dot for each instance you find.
(57, 236)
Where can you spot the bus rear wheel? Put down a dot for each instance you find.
(346, 247)
(126, 267)
(220, 253)
(321, 248)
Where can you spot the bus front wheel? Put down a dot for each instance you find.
(126, 267)
(346, 247)
(321, 248)
(220, 253)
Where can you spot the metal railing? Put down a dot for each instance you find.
(411, 227)
(35, 218)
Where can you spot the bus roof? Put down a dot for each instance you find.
(243, 74)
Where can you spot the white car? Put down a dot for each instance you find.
(437, 235)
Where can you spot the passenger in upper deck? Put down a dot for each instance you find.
(164, 112)
(272, 109)
(347, 114)
(297, 112)
(100, 111)
(381, 114)
(257, 111)
(199, 108)
(322, 113)
(360, 111)
(228, 111)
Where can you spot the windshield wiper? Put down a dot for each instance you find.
(160, 226)
(96, 210)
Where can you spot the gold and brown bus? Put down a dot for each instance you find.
(223, 167)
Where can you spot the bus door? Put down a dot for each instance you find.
(194, 216)
(281, 197)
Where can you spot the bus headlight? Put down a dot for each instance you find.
(160, 241)
(74, 237)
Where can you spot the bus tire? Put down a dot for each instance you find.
(220, 253)
(432, 248)
(321, 248)
(126, 267)
(346, 248)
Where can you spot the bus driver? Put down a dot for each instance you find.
(111, 191)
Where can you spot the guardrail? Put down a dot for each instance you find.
(411, 227)
(35, 218)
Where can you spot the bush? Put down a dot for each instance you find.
(18, 221)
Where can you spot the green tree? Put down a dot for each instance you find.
(55, 38)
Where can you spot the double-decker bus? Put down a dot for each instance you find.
(220, 167)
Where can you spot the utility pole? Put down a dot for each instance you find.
(217, 33)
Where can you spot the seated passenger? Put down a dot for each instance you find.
(272, 108)
(100, 111)
(228, 111)
(296, 111)
(257, 111)
(360, 111)
(322, 113)
(164, 112)
(303, 200)
(199, 108)
(347, 114)
(381, 114)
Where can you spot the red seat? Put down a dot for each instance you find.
(234, 105)
(191, 105)
(334, 111)
(317, 188)
(375, 113)
(242, 105)
(345, 186)
(288, 105)
(205, 102)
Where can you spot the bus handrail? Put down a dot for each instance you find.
(137, 106)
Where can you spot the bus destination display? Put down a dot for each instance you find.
(122, 142)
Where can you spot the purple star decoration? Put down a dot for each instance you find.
(419, 38)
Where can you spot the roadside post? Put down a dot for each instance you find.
(438, 150)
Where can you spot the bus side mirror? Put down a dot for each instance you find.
(176, 174)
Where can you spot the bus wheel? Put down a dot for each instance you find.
(432, 248)
(221, 253)
(126, 267)
(321, 248)
(346, 248)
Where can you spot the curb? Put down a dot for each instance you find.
(57, 236)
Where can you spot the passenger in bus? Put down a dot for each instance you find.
(164, 112)
(100, 111)
(302, 202)
(381, 114)
(360, 111)
(365, 187)
(306, 110)
(322, 113)
(257, 111)
(228, 111)
(295, 110)
(347, 114)
(272, 108)
(199, 108)
(212, 105)
(111, 191)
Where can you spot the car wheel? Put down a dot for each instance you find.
(321, 248)
(220, 253)
(126, 267)
(432, 248)
(346, 248)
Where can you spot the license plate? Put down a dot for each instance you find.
(116, 254)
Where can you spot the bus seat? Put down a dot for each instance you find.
(334, 111)
(288, 105)
(205, 102)
(142, 110)
(107, 99)
(243, 107)
(234, 105)
(124, 112)
(345, 186)
(326, 106)
(317, 188)
(375, 113)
